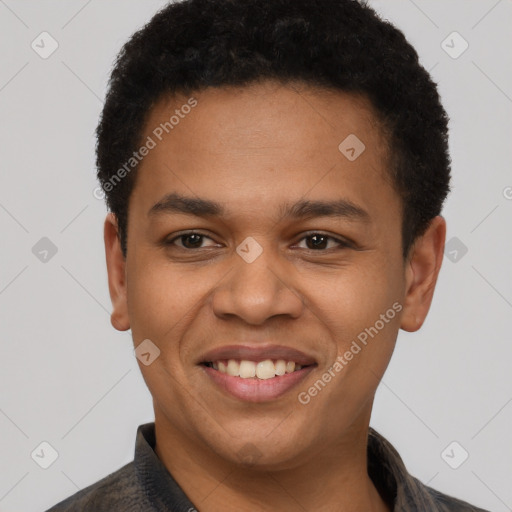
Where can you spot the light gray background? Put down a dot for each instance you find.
(68, 378)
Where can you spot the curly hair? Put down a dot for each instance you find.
(334, 44)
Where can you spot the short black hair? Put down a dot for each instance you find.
(332, 44)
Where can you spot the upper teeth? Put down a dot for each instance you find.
(263, 370)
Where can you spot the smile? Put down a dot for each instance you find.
(256, 373)
(263, 370)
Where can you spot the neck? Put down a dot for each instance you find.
(332, 479)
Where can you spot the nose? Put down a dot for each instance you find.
(258, 290)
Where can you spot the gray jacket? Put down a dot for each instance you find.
(145, 485)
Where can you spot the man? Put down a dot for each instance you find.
(275, 172)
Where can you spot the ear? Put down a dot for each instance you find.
(116, 265)
(422, 268)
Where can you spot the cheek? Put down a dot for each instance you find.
(362, 313)
(159, 297)
(351, 300)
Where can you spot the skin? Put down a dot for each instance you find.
(253, 149)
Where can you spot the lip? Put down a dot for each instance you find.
(254, 389)
(257, 353)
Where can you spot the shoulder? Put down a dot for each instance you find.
(118, 491)
(445, 503)
(407, 493)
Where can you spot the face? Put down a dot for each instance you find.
(254, 237)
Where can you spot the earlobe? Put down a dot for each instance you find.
(422, 270)
(116, 268)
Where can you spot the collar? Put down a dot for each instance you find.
(385, 467)
(160, 488)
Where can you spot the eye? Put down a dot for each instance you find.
(318, 242)
(190, 240)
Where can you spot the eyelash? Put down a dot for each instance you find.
(343, 244)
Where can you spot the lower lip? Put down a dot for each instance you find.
(258, 390)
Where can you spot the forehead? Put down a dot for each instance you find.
(238, 142)
(269, 112)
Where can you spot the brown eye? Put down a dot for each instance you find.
(188, 241)
(319, 242)
(191, 241)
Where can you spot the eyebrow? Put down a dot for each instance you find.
(303, 209)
